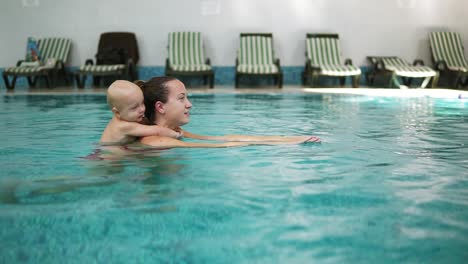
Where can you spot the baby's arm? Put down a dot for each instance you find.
(139, 130)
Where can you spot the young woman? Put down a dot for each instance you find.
(167, 106)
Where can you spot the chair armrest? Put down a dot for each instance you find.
(380, 65)
(208, 61)
(348, 62)
(418, 62)
(89, 62)
(59, 64)
(372, 59)
(441, 65)
(19, 63)
(237, 62)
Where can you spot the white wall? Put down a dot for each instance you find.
(366, 27)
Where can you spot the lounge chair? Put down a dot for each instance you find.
(117, 57)
(397, 67)
(187, 57)
(323, 58)
(53, 54)
(256, 57)
(448, 55)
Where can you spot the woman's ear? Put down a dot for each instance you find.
(159, 106)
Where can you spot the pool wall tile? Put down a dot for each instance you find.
(224, 75)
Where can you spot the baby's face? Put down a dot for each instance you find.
(132, 109)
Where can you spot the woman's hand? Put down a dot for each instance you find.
(313, 139)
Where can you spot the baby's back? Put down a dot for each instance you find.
(113, 134)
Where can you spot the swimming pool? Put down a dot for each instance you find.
(389, 184)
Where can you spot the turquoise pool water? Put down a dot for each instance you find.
(389, 184)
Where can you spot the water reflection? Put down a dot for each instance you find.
(105, 174)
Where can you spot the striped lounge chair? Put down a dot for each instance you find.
(256, 57)
(397, 67)
(187, 57)
(448, 55)
(323, 57)
(54, 53)
(116, 58)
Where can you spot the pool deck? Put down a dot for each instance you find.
(385, 92)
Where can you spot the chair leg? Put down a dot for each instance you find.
(314, 80)
(9, 86)
(96, 80)
(342, 81)
(48, 81)
(394, 80)
(280, 80)
(211, 81)
(370, 78)
(63, 73)
(32, 80)
(356, 80)
(425, 82)
(465, 83)
(80, 80)
(456, 80)
(236, 83)
(435, 80)
(407, 81)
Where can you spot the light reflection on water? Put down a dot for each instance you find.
(388, 184)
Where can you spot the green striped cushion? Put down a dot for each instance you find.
(257, 69)
(57, 48)
(101, 68)
(256, 50)
(447, 46)
(22, 70)
(186, 52)
(191, 68)
(323, 51)
(339, 70)
(402, 68)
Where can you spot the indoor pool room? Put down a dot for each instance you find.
(261, 131)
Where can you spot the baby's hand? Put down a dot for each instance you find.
(181, 134)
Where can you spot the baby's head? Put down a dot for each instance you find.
(126, 101)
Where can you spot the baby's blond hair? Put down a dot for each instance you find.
(119, 90)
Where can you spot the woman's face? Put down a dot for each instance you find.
(177, 107)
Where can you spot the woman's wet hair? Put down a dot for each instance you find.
(154, 90)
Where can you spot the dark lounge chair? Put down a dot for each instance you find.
(117, 57)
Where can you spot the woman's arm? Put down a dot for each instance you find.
(165, 142)
(244, 138)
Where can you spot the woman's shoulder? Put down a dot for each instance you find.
(149, 139)
(159, 141)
